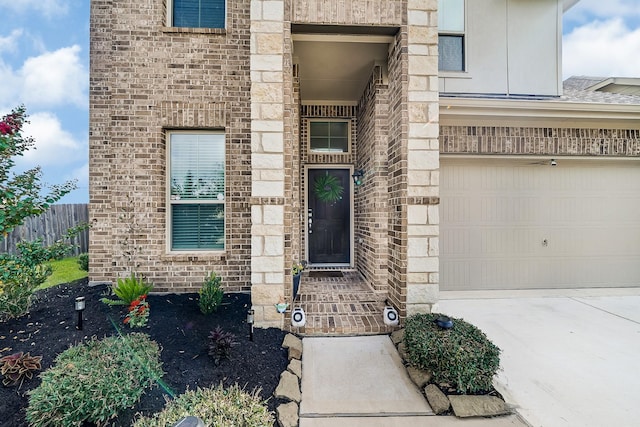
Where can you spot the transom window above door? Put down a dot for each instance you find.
(329, 136)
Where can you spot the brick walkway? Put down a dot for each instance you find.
(339, 306)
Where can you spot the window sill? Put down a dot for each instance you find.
(188, 30)
(454, 74)
(194, 256)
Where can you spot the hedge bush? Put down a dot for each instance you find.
(93, 381)
(216, 406)
(462, 356)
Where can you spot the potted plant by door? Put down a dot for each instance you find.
(296, 270)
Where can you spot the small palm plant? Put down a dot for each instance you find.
(128, 290)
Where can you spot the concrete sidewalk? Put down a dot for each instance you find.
(567, 360)
(361, 382)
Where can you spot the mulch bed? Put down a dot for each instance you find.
(175, 322)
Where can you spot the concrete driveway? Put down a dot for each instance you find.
(569, 358)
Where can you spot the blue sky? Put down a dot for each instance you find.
(44, 64)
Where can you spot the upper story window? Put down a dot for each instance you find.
(197, 13)
(329, 136)
(451, 33)
(197, 190)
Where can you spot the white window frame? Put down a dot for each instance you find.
(169, 14)
(325, 120)
(458, 33)
(171, 200)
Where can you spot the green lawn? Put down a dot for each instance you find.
(64, 271)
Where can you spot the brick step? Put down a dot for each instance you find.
(349, 307)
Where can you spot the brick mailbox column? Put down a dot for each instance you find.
(267, 160)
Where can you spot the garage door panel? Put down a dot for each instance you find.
(507, 224)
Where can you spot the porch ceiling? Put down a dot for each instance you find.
(336, 69)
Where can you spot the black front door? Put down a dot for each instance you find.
(329, 216)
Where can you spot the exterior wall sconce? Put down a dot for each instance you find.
(357, 177)
(79, 306)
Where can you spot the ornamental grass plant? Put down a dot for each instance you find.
(92, 382)
(215, 406)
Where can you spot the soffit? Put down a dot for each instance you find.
(619, 85)
(336, 69)
(464, 111)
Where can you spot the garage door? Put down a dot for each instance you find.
(524, 224)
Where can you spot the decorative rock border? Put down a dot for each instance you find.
(463, 406)
(288, 388)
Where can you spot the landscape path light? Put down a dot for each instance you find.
(79, 305)
(250, 315)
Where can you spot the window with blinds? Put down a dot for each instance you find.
(197, 190)
(451, 35)
(198, 13)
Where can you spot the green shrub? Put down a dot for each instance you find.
(210, 294)
(18, 366)
(21, 274)
(83, 262)
(128, 290)
(216, 407)
(462, 356)
(18, 282)
(93, 381)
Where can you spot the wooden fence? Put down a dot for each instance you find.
(51, 226)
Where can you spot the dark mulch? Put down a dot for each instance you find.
(175, 323)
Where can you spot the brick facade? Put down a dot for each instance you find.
(539, 141)
(148, 78)
(371, 204)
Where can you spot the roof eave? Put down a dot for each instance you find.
(535, 112)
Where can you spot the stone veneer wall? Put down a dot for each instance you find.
(414, 162)
(371, 204)
(147, 78)
(423, 162)
(540, 141)
(268, 182)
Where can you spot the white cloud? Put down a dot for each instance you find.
(9, 43)
(81, 175)
(587, 9)
(55, 78)
(53, 145)
(48, 8)
(51, 79)
(602, 48)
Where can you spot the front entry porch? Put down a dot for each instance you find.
(344, 305)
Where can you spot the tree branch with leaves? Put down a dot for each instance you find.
(21, 194)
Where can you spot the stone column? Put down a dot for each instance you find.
(267, 160)
(423, 157)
